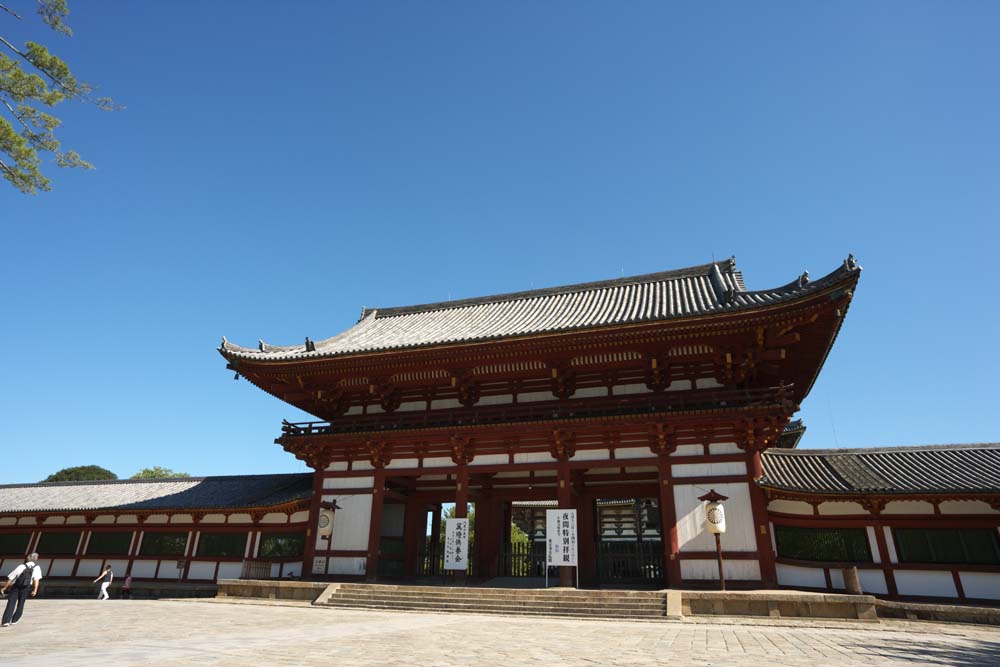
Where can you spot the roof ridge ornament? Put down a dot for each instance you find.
(850, 263)
(310, 345)
(804, 279)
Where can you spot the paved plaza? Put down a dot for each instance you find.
(72, 633)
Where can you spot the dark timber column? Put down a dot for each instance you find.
(663, 443)
(319, 464)
(414, 529)
(380, 455)
(434, 548)
(586, 522)
(758, 503)
(563, 449)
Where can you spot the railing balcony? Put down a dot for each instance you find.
(631, 404)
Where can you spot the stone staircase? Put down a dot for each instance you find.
(636, 605)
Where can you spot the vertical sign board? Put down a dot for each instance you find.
(456, 544)
(560, 537)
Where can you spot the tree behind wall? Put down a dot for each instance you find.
(156, 472)
(81, 474)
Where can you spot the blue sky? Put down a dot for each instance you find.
(281, 165)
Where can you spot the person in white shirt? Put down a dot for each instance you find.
(21, 579)
(108, 577)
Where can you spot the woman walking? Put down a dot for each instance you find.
(110, 576)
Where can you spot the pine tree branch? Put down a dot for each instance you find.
(66, 89)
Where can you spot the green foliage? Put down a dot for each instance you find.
(32, 78)
(518, 536)
(156, 472)
(81, 474)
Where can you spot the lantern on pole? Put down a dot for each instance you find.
(715, 523)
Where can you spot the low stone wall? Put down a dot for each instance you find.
(918, 611)
(271, 589)
(145, 590)
(778, 605)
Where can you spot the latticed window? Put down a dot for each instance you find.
(977, 546)
(838, 545)
(225, 545)
(163, 544)
(109, 544)
(58, 543)
(281, 545)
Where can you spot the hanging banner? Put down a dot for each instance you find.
(456, 544)
(560, 537)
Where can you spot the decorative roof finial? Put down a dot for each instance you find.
(732, 262)
(804, 279)
(225, 344)
(310, 345)
(850, 262)
(260, 344)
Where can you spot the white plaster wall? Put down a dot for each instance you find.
(105, 518)
(633, 453)
(592, 455)
(337, 466)
(128, 519)
(75, 519)
(163, 518)
(790, 507)
(392, 519)
(342, 565)
(981, 585)
(890, 544)
(168, 569)
(374, 409)
(351, 522)
(724, 448)
(119, 565)
(412, 406)
(54, 521)
(89, 567)
(26, 521)
(489, 459)
(837, 579)
(708, 469)
(240, 518)
(140, 568)
(438, 462)
(299, 516)
(533, 457)
(348, 482)
(503, 399)
(873, 544)
(202, 569)
(840, 508)
(679, 385)
(588, 392)
(534, 396)
(402, 464)
(908, 507)
(444, 403)
(873, 581)
(622, 389)
(706, 383)
(362, 466)
(275, 517)
(688, 450)
(353, 410)
(181, 518)
(931, 583)
(230, 570)
(802, 577)
(8, 521)
(214, 518)
(966, 507)
(691, 534)
(60, 567)
(741, 570)
(292, 570)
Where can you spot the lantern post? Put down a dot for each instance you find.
(715, 523)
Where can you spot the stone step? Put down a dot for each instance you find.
(499, 609)
(428, 595)
(501, 591)
(653, 607)
(521, 612)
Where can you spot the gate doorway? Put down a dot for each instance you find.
(629, 542)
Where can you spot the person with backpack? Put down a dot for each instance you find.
(103, 595)
(22, 578)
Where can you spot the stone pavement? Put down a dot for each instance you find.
(73, 633)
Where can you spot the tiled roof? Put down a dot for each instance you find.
(893, 470)
(791, 435)
(234, 491)
(699, 290)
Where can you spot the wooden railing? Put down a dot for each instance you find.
(256, 568)
(673, 401)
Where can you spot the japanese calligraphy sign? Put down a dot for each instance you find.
(456, 544)
(560, 537)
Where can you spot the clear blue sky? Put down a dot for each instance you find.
(280, 165)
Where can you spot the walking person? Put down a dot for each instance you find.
(108, 577)
(127, 587)
(22, 578)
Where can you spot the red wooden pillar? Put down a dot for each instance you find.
(487, 535)
(883, 548)
(758, 505)
(586, 522)
(668, 526)
(375, 525)
(434, 550)
(461, 503)
(309, 552)
(414, 529)
(567, 501)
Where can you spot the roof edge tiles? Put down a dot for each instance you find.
(706, 289)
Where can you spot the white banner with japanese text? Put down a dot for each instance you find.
(560, 537)
(456, 544)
